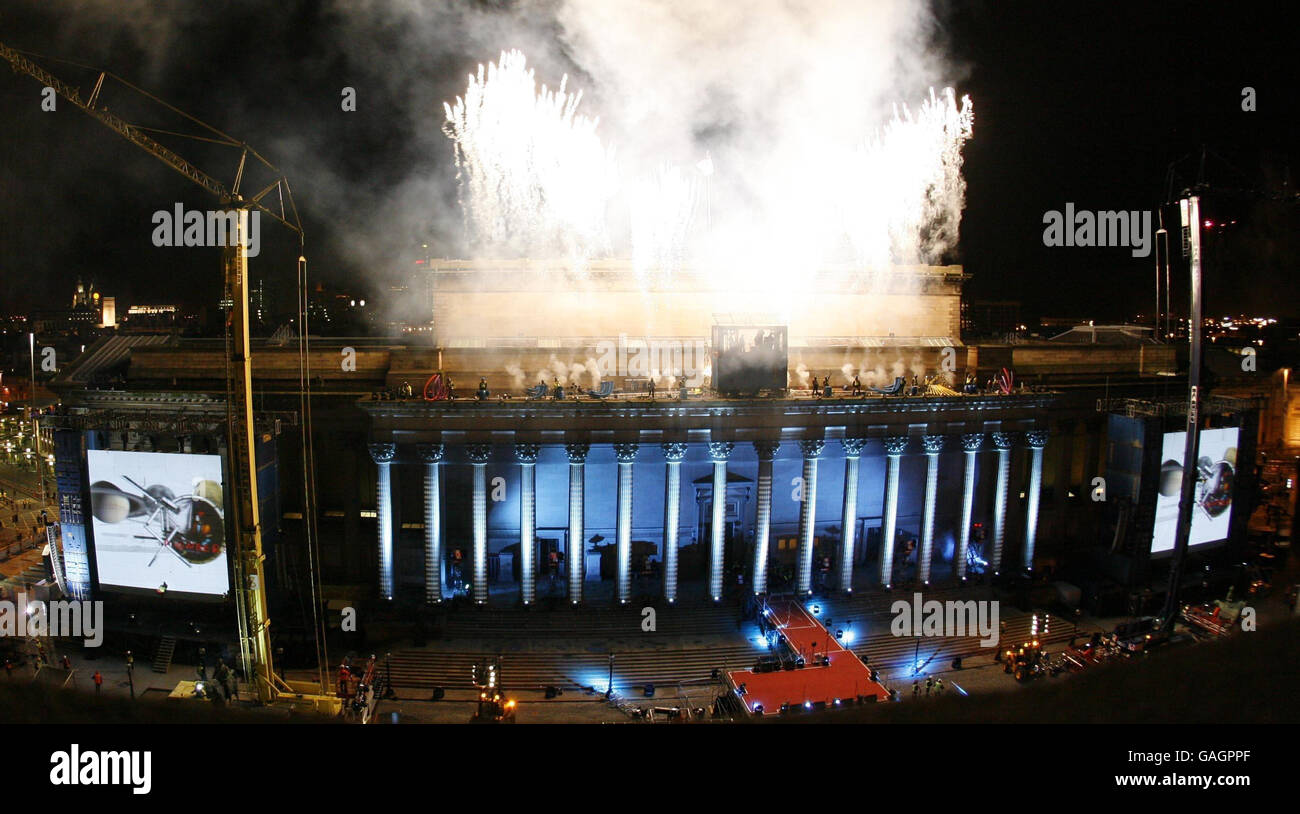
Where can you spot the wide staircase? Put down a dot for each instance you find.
(687, 646)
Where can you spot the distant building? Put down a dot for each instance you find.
(990, 318)
(147, 317)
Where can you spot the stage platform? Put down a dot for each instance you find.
(831, 675)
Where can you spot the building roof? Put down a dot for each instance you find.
(108, 355)
(1106, 335)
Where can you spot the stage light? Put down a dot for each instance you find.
(847, 637)
(807, 704)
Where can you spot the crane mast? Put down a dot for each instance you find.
(241, 440)
(249, 559)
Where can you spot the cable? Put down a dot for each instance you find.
(312, 538)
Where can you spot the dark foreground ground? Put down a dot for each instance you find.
(1247, 678)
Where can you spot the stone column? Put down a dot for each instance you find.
(432, 455)
(849, 512)
(719, 452)
(478, 456)
(626, 454)
(383, 455)
(576, 556)
(1002, 442)
(808, 513)
(527, 455)
(894, 447)
(933, 445)
(1036, 439)
(674, 452)
(763, 520)
(970, 444)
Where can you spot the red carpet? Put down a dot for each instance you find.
(845, 678)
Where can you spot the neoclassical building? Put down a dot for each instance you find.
(701, 494)
(637, 493)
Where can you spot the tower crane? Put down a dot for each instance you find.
(249, 560)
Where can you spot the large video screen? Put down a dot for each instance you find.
(1216, 472)
(159, 522)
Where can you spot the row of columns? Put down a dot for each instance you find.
(719, 452)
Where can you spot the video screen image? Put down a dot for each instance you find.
(1215, 476)
(159, 521)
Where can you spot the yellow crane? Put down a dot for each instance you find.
(249, 560)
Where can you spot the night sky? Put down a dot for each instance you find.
(1084, 103)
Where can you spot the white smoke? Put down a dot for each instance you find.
(516, 374)
(801, 373)
(761, 142)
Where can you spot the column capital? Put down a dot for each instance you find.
(853, 446)
(1004, 440)
(720, 450)
(527, 452)
(1036, 438)
(577, 451)
(812, 448)
(895, 444)
(766, 449)
(933, 444)
(674, 451)
(382, 453)
(625, 453)
(972, 441)
(430, 453)
(478, 453)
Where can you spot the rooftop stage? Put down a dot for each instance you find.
(832, 673)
